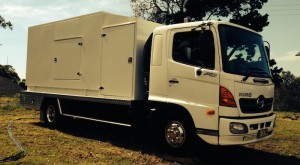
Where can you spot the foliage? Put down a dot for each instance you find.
(287, 96)
(9, 72)
(243, 12)
(22, 84)
(159, 11)
(275, 72)
(5, 24)
(246, 14)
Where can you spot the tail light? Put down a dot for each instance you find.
(226, 98)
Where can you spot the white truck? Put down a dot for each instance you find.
(207, 79)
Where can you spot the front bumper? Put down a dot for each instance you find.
(255, 126)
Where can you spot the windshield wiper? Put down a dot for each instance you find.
(253, 70)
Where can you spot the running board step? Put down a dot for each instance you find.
(92, 119)
(98, 120)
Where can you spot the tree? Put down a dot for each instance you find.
(5, 24)
(22, 84)
(9, 72)
(160, 11)
(288, 95)
(276, 73)
(247, 14)
(243, 12)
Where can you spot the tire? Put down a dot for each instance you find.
(177, 134)
(52, 115)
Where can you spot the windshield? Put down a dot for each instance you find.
(243, 52)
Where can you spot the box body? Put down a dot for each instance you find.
(97, 55)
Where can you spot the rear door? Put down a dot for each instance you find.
(117, 60)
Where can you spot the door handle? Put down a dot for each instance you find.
(173, 81)
(199, 72)
(129, 60)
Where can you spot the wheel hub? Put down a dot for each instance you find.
(50, 114)
(175, 134)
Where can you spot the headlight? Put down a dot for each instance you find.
(238, 128)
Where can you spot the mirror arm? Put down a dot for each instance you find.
(268, 48)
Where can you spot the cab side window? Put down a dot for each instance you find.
(194, 48)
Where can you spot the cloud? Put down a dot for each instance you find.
(37, 12)
(288, 57)
(19, 11)
(27, 14)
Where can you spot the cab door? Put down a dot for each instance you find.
(193, 74)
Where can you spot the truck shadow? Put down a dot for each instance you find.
(200, 154)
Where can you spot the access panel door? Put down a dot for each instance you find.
(117, 60)
(67, 59)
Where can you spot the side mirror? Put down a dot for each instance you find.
(267, 47)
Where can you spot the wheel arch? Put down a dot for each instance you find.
(46, 101)
(166, 113)
(160, 109)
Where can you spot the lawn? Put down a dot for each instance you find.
(83, 142)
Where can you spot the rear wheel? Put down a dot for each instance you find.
(52, 115)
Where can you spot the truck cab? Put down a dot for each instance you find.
(219, 74)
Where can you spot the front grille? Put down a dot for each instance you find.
(260, 126)
(250, 105)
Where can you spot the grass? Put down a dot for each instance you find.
(82, 142)
(52, 146)
(286, 139)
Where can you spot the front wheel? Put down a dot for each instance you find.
(175, 134)
(178, 135)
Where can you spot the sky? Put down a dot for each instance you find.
(282, 33)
